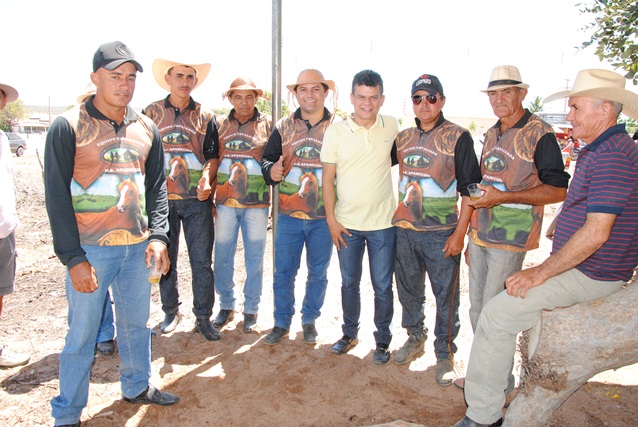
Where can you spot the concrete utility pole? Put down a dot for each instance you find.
(276, 102)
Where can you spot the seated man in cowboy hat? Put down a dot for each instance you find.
(242, 200)
(522, 170)
(595, 245)
(291, 159)
(189, 137)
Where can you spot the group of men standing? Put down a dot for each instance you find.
(119, 187)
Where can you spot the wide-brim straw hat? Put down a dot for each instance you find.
(10, 93)
(243, 83)
(504, 76)
(311, 76)
(161, 67)
(601, 84)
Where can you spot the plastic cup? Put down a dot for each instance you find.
(154, 274)
(475, 192)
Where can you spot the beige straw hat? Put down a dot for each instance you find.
(311, 76)
(10, 93)
(504, 76)
(601, 84)
(161, 67)
(243, 83)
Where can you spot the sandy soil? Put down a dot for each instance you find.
(240, 381)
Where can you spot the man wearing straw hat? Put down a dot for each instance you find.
(189, 137)
(522, 171)
(292, 160)
(8, 224)
(595, 247)
(242, 198)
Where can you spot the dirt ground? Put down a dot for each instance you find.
(240, 381)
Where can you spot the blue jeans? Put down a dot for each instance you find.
(123, 268)
(254, 226)
(418, 253)
(381, 251)
(106, 331)
(292, 234)
(489, 268)
(197, 219)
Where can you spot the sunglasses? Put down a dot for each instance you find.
(431, 99)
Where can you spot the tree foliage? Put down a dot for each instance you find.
(615, 34)
(472, 127)
(12, 114)
(536, 105)
(265, 105)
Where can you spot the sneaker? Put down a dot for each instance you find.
(250, 322)
(381, 354)
(275, 336)
(11, 360)
(170, 323)
(309, 333)
(412, 349)
(344, 345)
(204, 326)
(223, 317)
(445, 372)
(105, 347)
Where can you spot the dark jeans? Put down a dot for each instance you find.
(197, 219)
(381, 249)
(418, 253)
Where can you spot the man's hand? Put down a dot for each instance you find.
(520, 282)
(203, 189)
(454, 244)
(157, 250)
(277, 170)
(336, 232)
(83, 277)
(491, 197)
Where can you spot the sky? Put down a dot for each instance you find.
(48, 45)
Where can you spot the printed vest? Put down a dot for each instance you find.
(240, 183)
(183, 141)
(427, 178)
(508, 164)
(107, 188)
(300, 194)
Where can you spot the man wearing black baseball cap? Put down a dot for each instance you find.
(106, 197)
(436, 162)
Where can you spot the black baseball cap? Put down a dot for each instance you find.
(429, 83)
(111, 55)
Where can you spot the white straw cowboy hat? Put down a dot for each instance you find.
(311, 76)
(161, 67)
(601, 84)
(10, 93)
(243, 83)
(504, 76)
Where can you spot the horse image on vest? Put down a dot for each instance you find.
(235, 187)
(305, 200)
(177, 181)
(410, 208)
(119, 224)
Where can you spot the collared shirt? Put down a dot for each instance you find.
(363, 159)
(8, 214)
(104, 181)
(605, 181)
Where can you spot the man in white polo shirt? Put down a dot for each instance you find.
(361, 151)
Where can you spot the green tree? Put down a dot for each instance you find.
(12, 114)
(630, 124)
(615, 33)
(536, 105)
(265, 105)
(472, 127)
(341, 113)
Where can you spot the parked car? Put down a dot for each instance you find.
(18, 145)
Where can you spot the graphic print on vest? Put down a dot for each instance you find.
(183, 172)
(299, 194)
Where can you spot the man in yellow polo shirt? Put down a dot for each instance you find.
(361, 151)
